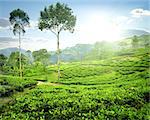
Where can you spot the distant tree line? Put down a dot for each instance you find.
(10, 65)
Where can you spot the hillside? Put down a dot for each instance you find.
(74, 60)
(74, 53)
(8, 51)
(99, 50)
(114, 88)
(131, 32)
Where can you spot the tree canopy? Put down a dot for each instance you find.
(19, 19)
(3, 59)
(57, 17)
(14, 59)
(41, 56)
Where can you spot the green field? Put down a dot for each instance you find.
(114, 89)
(100, 72)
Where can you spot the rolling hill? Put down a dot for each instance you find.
(8, 51)
(77, 52)
(131, 32)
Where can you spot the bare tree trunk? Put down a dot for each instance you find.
(58, 56)
(20, 70)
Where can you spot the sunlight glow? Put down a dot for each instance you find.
(99, 28)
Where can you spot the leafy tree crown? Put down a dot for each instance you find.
(57, 17)
(18, 19)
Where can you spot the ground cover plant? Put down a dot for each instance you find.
(100, 72)
(119, 90)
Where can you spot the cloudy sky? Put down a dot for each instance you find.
(97, 20)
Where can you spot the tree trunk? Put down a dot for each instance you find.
(58, 56)
(20, 70)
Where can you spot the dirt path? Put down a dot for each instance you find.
(48, 83)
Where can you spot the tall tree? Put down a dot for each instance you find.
(56, 18)
(42, 56)
(3, 60)
(19, 19)
(30, 57)
(146, 40)
(14, 61)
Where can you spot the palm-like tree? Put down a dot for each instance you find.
(19, 19)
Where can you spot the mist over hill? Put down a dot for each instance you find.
(67, 55)
(131, 32)
(8, 51)
(88, 51)
(74, 53)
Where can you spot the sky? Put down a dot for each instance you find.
(97, 20)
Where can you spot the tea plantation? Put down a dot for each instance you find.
(114, 89)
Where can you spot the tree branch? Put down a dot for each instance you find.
(61, 28)
(53, 31)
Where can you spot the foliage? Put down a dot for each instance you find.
(101, 50)
(115, 88)
(144, 40)
(19, 19)
(135, 42)
(13, 62)
(41, 56)
(9, 85)
(3, 60)
(29, 56)
(56, 18)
